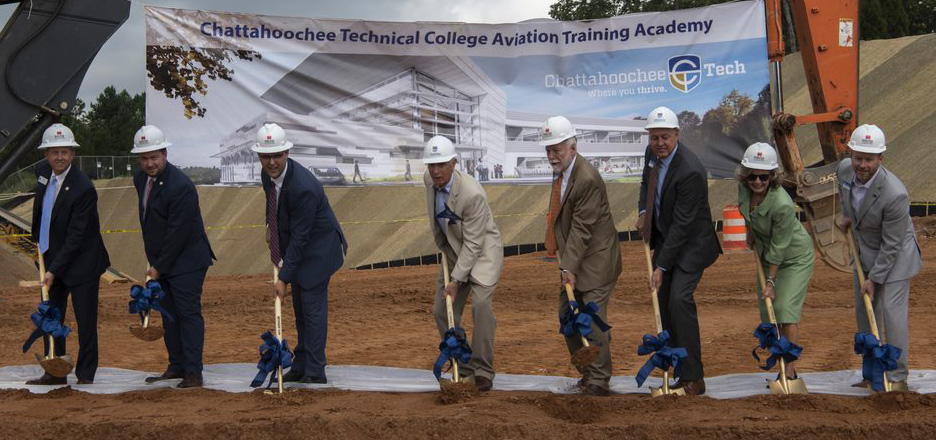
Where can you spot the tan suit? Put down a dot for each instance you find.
(588, 247)
(475, 253)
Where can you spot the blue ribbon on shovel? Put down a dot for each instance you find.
(766, 334)
(48, 321)
(876, 358)
(148, 298)
(455, 346)
(571, 323)
(663, 357)
(273, 354)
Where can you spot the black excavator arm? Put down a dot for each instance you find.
(45, 51)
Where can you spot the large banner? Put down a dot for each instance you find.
(360, 98)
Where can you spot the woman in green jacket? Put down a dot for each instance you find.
(776, 234)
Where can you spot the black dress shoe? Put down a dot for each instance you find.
(165, 376)
(48, 379)
(692, 387)
(596, 390)
(483, 383)
(292, 376)
(192, 380)
(311, 379)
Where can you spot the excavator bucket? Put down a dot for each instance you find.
(817, 193)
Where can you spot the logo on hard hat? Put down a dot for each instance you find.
(144, 140)
(59, 134)
(760, 155)
(685, 72)
(867, 139)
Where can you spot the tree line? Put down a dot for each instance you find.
(878, 18)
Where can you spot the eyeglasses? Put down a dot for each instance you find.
(761, 177)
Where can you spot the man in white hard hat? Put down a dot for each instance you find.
(876, 205)
(679, 229)
(65, 223)
(177, 251)
(464, 229)
(587, 243)
(306, 243)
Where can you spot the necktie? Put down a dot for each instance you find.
(273, 226)
(47, 200)
(146, 195)
(652, 183)
(551, 245)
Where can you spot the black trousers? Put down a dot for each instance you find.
(311, 309)
(678, 311)
(185, 335)
(85, 302)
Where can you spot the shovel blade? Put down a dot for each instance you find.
(796, 386)
(657, 392)
(149, 333)
(56, 366)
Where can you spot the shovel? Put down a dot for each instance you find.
(146, 332)
(586, 355)
(784, 385)
(451, 320)
(869, 307)
(654, 297)
(278, 328)
(56, 366)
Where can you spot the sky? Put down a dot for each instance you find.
(120, 61)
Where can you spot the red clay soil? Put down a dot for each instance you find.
(383, 317)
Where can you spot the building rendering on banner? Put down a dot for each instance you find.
(377, 111)
(615, 146)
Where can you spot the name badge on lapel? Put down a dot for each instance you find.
(43, 180)
(846, 186)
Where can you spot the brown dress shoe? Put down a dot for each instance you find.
(483, 383)
(862, 384)
(165, 376)
(692, 387)
(48, 379)
(192, 380)
(85, 381)
(596, 390)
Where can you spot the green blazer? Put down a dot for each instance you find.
(779, 236)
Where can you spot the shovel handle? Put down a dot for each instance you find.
(448, 309)
(45, 297)
(784, 383)
(655, 300)
(869, 306)
(278, 327)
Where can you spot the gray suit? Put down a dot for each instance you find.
(889, 253)
(475, 253)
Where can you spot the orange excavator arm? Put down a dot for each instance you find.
(827, 34)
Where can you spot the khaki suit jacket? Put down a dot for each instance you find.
(585, 232)
(473, 245)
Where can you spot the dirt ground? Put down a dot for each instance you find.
(383, 317)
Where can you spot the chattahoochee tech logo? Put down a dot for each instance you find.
(685, 72)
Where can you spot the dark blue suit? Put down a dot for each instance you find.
(313, 248)
(176, 245)
(76, 258)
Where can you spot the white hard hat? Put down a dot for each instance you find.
(149, 138)
(439, 149)
(271, 138)
(868, 139)
(556, 129)
(662, 117)
(760, 156)
(57, 135)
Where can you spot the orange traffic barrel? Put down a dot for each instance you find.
(734, 233)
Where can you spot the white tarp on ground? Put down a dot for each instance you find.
(236, 378)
